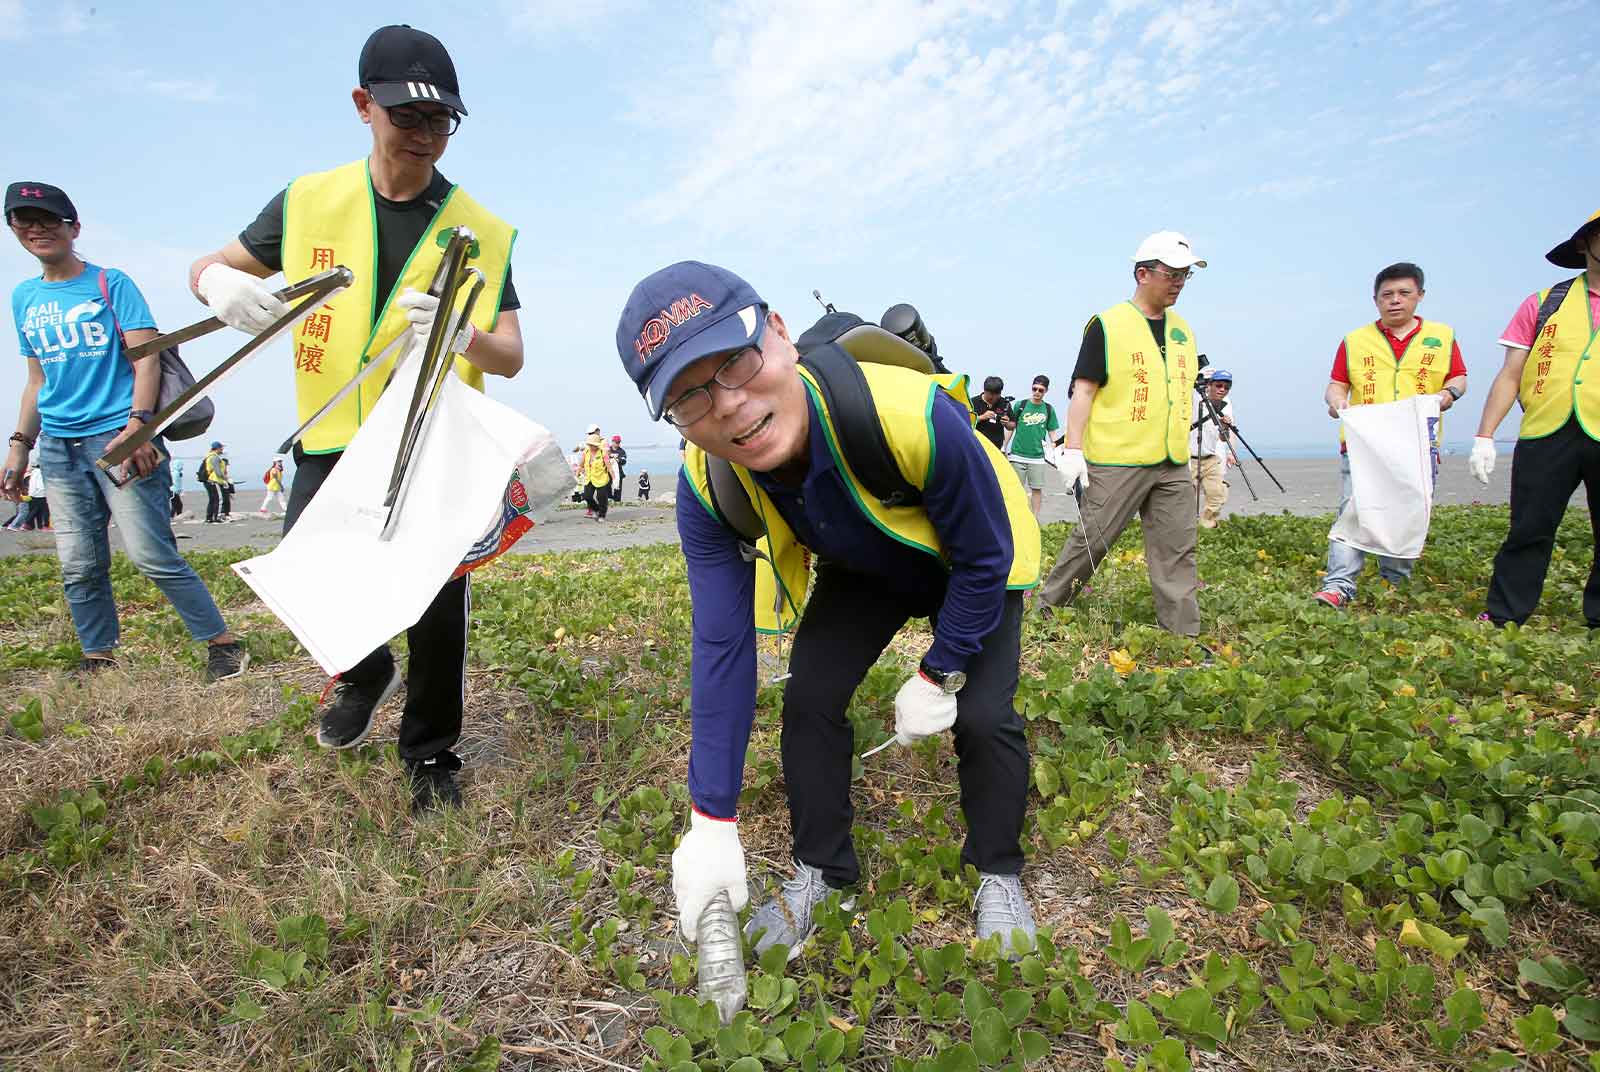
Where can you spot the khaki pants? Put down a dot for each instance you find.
(1207, 472)
(1162, 495)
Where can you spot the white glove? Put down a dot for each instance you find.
(239, 299)
(1481, 461)
(922, 709)
(1073, 467)
(707, 861)
(421, 308)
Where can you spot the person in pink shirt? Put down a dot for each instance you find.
(1550, 344)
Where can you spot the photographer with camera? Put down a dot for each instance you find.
(1213, 425)
(993, 412)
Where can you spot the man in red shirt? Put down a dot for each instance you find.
(1397, 356)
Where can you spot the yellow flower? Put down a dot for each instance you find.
(1406, 690)
(1122, 662)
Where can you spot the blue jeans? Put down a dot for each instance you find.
(1345, 562)
(83, 502)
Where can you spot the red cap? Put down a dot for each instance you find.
(616, 439)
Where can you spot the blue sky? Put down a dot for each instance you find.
(994, 163)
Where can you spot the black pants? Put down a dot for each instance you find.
(1544, 474)
(597, 499)
(848, 622)
(436, 679)
(213, 502)
(227, 499)
(177, 504)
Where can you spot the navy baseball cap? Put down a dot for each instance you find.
(402, 65)
(42, 196)
(680, 314)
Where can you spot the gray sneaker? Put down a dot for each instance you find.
(1002, 907)
(787, 919)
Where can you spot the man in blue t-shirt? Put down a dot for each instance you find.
(82, 397)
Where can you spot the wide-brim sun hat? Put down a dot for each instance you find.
(1569, 254)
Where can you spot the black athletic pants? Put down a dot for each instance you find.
(214, 501)
(598, 498)
(1544, 474)
(436, 678)
(848, 622)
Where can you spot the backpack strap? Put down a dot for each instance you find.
(1547, 308)
(732, 503)
(105, 292)
(855, 419)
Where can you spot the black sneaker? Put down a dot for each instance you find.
(93, 665)
(433, 785)
(348, 719)
(224, 661)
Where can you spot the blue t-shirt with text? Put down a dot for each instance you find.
(66, 327)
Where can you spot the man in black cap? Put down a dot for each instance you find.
(387, 218)
(1549, 344)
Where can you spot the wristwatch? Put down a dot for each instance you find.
(142, 415)
(1455, 392)
(950, 681)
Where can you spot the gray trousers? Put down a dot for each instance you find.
(1163, 496)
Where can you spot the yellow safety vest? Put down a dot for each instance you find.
(1557, 377)
(329, 219)
(1141, 415)
(595, 466)
(904, 400)
(1376, 375)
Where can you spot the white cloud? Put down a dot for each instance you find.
(962, 101)
(188, 90)
(74, 19)
(1332, 13)
(1289, 189)
(546, 18)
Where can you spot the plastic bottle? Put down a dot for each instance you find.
(722, 978)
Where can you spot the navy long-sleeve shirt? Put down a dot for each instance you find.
(965, 506)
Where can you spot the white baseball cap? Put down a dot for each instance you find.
(1170, 248)
(593, 428)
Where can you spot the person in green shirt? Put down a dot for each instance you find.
(1038, 431)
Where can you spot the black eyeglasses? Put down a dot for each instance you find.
(405, 117)
(23, 218)
(696, 402)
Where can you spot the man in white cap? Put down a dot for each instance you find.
(1549, 344)
(1127, 443)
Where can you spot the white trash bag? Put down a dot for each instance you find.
(340, 589)
(1393, 448)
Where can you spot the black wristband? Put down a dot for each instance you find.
(18, 437)
(143, 415)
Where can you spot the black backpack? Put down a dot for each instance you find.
(832, 350)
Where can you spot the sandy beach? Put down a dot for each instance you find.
(1311, 487)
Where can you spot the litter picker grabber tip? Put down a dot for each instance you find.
(311, 292)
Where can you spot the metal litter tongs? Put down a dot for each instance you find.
(309, 293)
(398, 345)
(438, 360)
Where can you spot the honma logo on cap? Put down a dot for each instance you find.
(658, 328)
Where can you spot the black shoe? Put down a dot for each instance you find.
(224, 661)
(90, 665)
(433, 785)
(348, 719)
